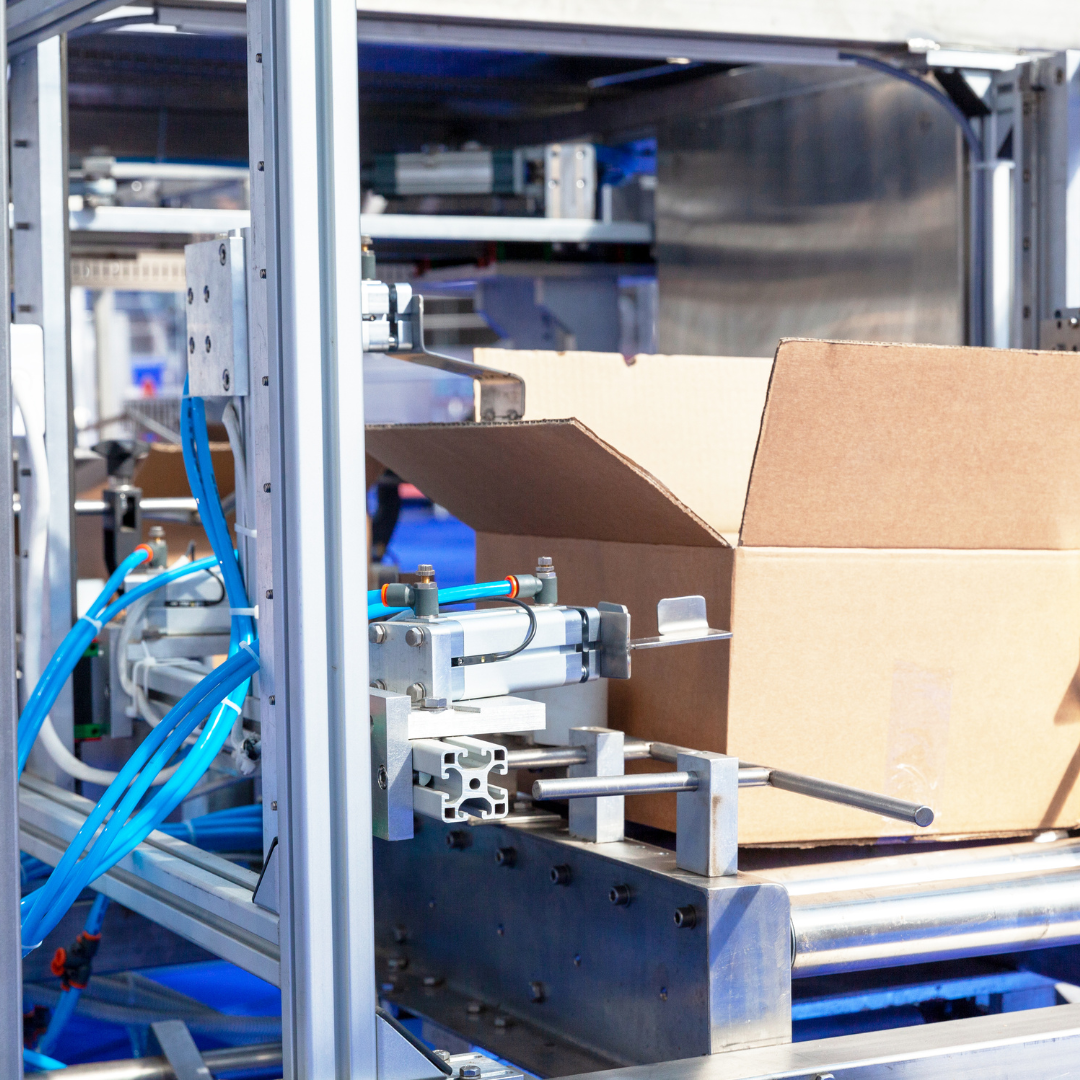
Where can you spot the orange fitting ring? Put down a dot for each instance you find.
(382, 595)
(514, 586)
(56, 965)
(147, 548)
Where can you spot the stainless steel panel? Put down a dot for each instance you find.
(809, 202)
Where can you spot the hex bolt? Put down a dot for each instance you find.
(686, 917)
(470, 1072)
(474, 1008)
(417, 691)
(619, 895)
(414, 636)
(397, 963)
(506, 856)
(536, 992)
(378, 684)
(431, 981)
(457, 839)
(561, 874)
(444, 1054)
(377, 633)
(502, 1021)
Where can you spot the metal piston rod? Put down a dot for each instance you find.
(586, 787)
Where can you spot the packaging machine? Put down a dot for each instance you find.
(450, 883)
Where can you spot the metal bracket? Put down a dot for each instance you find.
(601, 820)
(707, 818)
(401, 1057)
(180, 1050)
(391, 766)
(502, 394)
(681, 620)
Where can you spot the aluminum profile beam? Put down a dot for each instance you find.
(998, 25)
(310, 221)
(41, 268)
(193, 222)
(11, 1019)
(1029, 1045)
(29, 22)
(194, 893)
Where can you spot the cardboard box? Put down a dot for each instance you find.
(904, 589)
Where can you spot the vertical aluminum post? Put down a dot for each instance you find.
(11, 1036)
(41, 271)
(317, 602)
(707, 818)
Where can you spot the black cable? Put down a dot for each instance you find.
(489, 658)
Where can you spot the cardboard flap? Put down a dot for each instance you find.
(692, 421)
(546, 478)
(917, 446)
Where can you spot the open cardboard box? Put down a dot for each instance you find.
(898, 561)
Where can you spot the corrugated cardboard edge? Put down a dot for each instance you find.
(676, 503)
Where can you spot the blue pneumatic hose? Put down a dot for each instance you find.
(65, 1007)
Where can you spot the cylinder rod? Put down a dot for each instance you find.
(593, 787)
(230, 1059)
(886, 805)
(553, 757)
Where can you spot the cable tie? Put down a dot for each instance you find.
(252, 612)
(250, 651)
(243, 530)
(95, 623)
(238, 709)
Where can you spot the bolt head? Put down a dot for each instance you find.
(191, 296)
(382, 778)
(417, 692)
(470, 1072)
(506, 856)
(686, 917)
(560, 875)
(377, 633)
(536, 992)
(222, 254)
(206, 294)
(206, 342)
(502, 1021)
(414, 636)
(226, 379)
(619, 895)
(474, 1008)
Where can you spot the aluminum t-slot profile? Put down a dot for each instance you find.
(453, 781)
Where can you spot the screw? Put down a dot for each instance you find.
(432, 980)
(474, 1008)
(269, 594)
(619, 895)
(457, 839)
(378, 684)
(469, 1072)
(382, 778)
(258, 58)
(500, 930)
(414, 636)
(544, 565)
(536, 991)
(266, 488)
(444, 1054)
(262, 273)
(207, 342)
(262, 167)
(425, 572)
(506, 856)
(397, 963)
(226, 380)
(577, 959)
(191, 345)
(824, 1076)
(266, 380)
(502, 1021)
(273, 805)
(686, 917)
(400, 934)
(206, 294)
(376, 633)
(222, 254)
(560, 875)
(273, 699)
(190, 296)
(663, 993)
